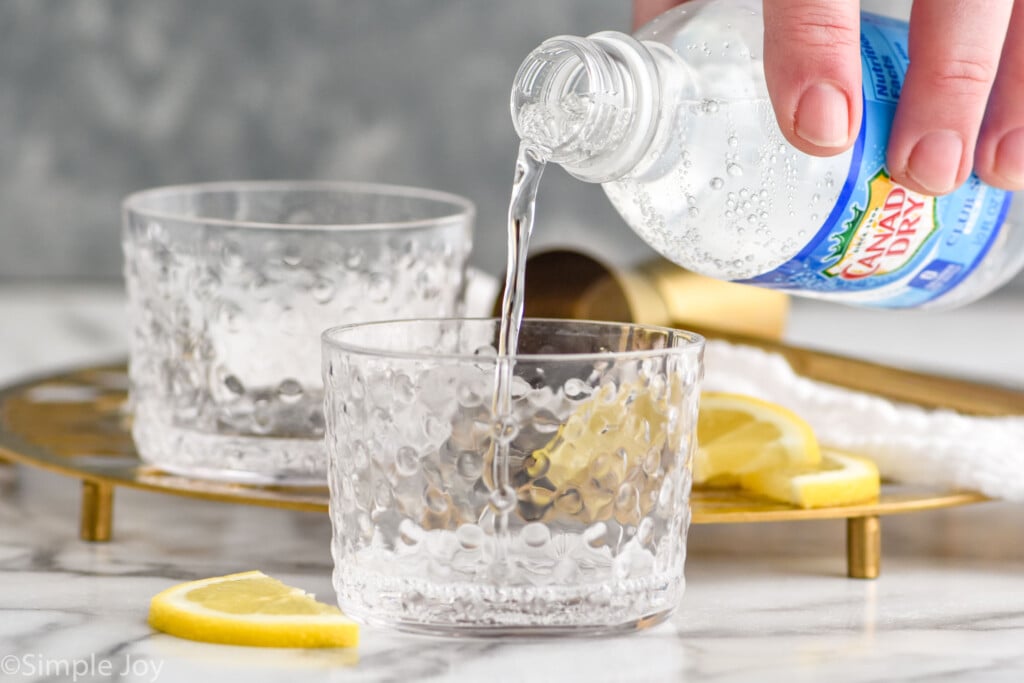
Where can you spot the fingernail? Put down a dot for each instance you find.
(935, 161)
(1010, 157)
(823, 115)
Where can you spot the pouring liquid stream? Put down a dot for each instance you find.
(529, 168)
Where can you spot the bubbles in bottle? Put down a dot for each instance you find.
(735, 147)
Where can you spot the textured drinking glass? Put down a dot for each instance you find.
(589, 536)
(229, 287)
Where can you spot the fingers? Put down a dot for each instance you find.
(955, 47)
(645, 10)
(999, 159)
(812, 66)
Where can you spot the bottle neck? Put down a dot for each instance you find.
(589, 104)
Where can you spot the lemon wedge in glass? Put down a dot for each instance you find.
(740, 435)
(611, 444)
(839, 479)
(250, 608)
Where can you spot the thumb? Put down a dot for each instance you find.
(812, 66)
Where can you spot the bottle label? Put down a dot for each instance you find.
(882, 244)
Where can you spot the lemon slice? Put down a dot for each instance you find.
(629, 419)
(839, 479)
(250, 608)
(739, 435)
(615, 431)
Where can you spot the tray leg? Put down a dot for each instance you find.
(8, 476)
(97, 511)
(863, 547)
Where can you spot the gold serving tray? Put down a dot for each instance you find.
(76, 424)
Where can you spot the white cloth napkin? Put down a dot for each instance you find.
(910, 444)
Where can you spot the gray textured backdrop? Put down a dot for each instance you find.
(103, 97)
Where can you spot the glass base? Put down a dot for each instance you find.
(254, 460)
(486, 610)
(501, 630)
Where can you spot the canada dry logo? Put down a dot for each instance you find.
(886, 234)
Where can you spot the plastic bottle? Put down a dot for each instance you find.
(677, 126)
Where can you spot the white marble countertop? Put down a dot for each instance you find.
(763, 603)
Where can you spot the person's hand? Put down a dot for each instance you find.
(964, 54)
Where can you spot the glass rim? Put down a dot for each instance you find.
(694, 342)
(462, 208)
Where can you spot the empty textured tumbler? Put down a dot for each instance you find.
(229, 288)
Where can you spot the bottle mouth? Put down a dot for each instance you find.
(587, 103)
(567, 93)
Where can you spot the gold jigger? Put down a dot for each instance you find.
(568, 284)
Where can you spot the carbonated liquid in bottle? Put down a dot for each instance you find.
(677, 126)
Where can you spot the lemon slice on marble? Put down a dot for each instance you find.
(250, 608)
(739, 435)
(839, 479)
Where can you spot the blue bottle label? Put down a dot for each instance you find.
(882, 244)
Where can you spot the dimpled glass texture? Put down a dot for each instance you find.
(588, 535)
(229, 287)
